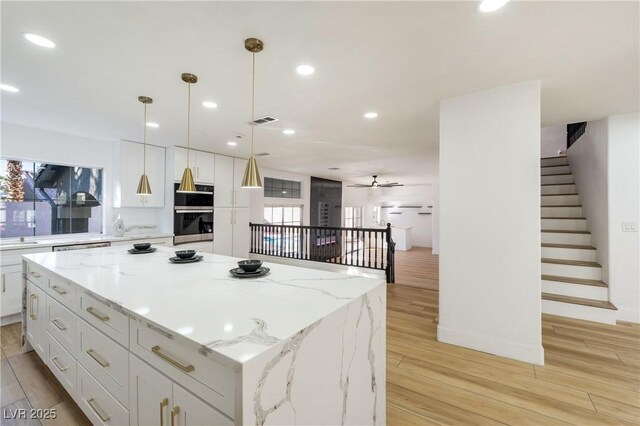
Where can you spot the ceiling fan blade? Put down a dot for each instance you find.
(358, 185)
(389, 185)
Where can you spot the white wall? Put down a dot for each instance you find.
(29, 143)
(624, 206)
(258, 200)
(489, 192)
(553, 140)
(588, 163)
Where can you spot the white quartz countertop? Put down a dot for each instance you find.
(37, 242)
(237, 318)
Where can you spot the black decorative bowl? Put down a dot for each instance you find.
(142, 246)
(250, 265)
(185, 254)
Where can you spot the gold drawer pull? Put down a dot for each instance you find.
(96, 313)
(58, 324)
(93, 354)
(96, 408)
(59, 289)
(163, 403)
(55, 361)
(174, 412)
(186, 368)
(4, 283)
(33, 316)
(35, 274)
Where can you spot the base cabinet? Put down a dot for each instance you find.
(11, 296)
(157, 400)
(37, 319)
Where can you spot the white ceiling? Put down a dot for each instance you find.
(399, 59)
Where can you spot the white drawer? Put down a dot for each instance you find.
(209, 379)
(14, 257)
(61, 324)
(107, 361)
(62, 364)
(62, 290)
(106, 319)
(97, 403)
(37, 275)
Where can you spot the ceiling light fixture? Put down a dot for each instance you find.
(305, 69)
(154, 125)
(209, 104)
(8, 88)
(486, 6)
(186, 183)
(288, 131)
(143, 186)
(231, 143)
(251, 177)
(371, 115)
(39, 40)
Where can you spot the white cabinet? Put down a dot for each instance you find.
(242, 196)
(202, 165)
(231, 235)
(223, 193)
(131, 157)
(11, 296)
(157, 400)
(37, 319)
(241, 233)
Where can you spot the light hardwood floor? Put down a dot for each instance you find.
(591, 374)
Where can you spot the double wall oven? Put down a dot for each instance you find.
(193, 215)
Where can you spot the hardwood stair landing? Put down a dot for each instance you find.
(579, 301)
(570, 280)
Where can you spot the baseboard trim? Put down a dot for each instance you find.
(493, 345)
(11, 319)
(627, 314)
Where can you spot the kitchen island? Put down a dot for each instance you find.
(136, 339)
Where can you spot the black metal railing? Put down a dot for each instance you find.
(371, 248)
(574, 131)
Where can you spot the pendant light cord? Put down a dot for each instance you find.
(189, 126)
(253, 98)
(144, 149)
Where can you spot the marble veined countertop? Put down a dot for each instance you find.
(61, 240)
(237, 318)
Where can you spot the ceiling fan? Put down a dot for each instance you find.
(375, 184)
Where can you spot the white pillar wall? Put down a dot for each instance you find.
(489, 214)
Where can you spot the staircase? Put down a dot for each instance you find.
(572, 283)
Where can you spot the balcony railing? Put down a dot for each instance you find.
(371, 248)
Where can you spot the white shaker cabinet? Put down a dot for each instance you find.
(223, 193)
(130, 163)
(241, 233)
(37, 319)
(11, 296)
(202, 165)
(242, 196)
(223, 231)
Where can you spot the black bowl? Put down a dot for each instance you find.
(142, 246)
(250, 265)
(185, 254)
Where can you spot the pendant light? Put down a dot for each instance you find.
(187, 184)
(251, 177)
(143, 186)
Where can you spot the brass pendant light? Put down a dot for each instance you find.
(187, 184)
(251, 177)
(143, 186)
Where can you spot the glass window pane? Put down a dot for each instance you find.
(268, 215)
(288, 214)
(277, 215)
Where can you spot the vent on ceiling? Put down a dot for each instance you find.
(264, 120)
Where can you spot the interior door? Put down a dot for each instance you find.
(192, 411)
(151, 399)
(223, 231)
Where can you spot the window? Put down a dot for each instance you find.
(282, 240)
(48, 199)
(279, 188)
(353, 217)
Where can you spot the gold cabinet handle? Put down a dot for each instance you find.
(96, 313)
(93, 354)
(163, 403)
(4, 283)
(59, 289)
(35, 274)
(99, 411)
(186, 368)
(58, 366)
(33, 316)
(174, 413)
(59, 324)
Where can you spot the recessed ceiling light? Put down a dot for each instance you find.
(288, 131)
(39, 40)
(231, 143)
(209, 104)
(491, 5)
(371, 115)
(305, 69)
(154, 125)
(8, 88)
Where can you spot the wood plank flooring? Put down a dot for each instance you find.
(591, 374)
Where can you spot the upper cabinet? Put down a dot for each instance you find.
(228, 178)
(130, 158)
(202, 165)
